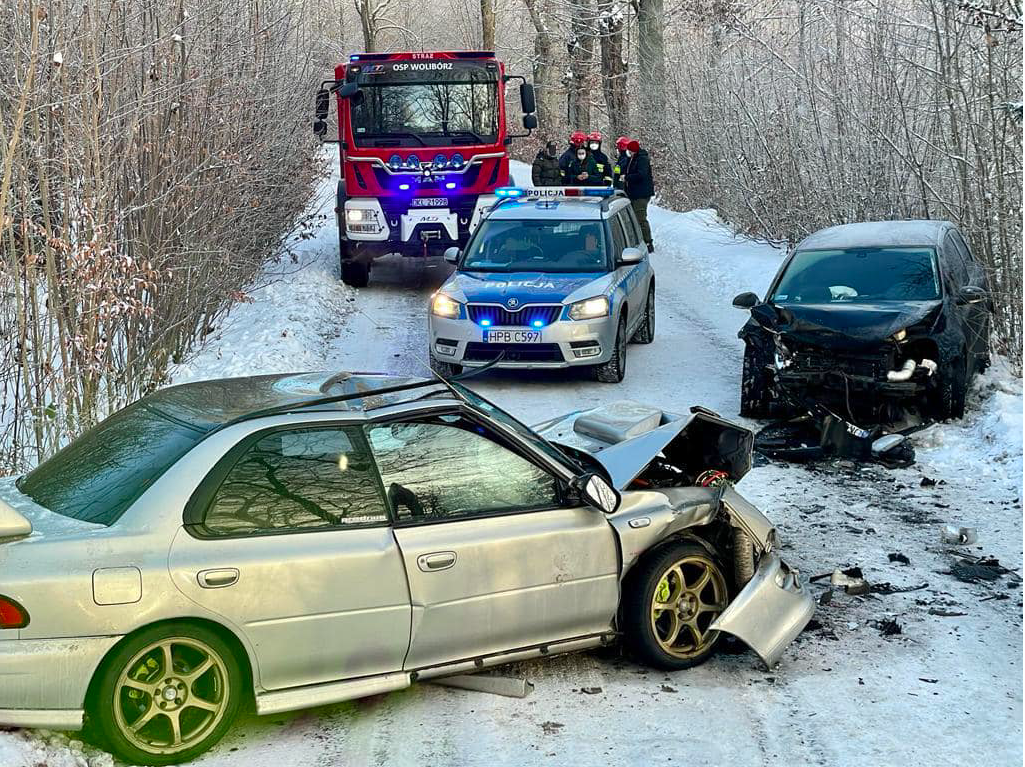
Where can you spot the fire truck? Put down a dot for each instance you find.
(423, 145)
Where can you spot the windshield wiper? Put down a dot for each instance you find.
(476, 136)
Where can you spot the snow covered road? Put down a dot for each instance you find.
(946, 689)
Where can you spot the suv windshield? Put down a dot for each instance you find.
(538, 246)
(860, 274)
(101, 473)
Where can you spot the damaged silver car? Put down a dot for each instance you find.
(284, 542)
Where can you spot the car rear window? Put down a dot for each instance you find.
(860, 274)
(101, 473)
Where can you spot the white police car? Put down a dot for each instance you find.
(553, 277)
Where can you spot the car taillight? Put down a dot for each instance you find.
(12, 615)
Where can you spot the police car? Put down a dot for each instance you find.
(553, 277)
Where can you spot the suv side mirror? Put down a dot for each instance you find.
(630, 256)
(745, 300)
(970, 294)
(527, 102)
(597, 492)
(452, 255)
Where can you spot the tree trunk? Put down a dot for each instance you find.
(611, 21)
(545, 67)
(581, 54)
(651, 57)
(487, 24)
(368, 22)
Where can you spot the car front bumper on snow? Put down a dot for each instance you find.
(564, 343)
(43, 682)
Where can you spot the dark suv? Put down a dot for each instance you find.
(869, 319)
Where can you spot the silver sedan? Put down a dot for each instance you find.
(289, 541)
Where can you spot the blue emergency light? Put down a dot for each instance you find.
(509, 192)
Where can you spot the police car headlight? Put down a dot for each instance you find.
(589, 309)
(443, 306)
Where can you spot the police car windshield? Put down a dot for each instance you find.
(538, 246)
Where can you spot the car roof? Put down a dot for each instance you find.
(207, 405)
(568, 209)
(868, 234)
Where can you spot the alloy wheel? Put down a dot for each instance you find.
(688, 598)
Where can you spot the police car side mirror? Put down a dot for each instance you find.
(452, 255)
(631, 256)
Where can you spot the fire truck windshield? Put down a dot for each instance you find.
(457, 108)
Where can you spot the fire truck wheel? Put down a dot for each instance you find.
(355, 273)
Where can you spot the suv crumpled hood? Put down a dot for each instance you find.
(848, 324)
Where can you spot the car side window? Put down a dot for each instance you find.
(450, 468)
(618, 237)
(302, 479)
(633, 232)
(956, 261)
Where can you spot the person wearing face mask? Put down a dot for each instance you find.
(583, 170)
(600, 158)
(617, 169)
(577, 139)
(545, 171)
(639, 186)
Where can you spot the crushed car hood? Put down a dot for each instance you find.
(848, 324)
(626, 437)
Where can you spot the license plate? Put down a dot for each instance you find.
(429, 202)
(501, 336)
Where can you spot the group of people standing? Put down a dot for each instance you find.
(583, 163)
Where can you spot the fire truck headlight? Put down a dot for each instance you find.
(356, 214)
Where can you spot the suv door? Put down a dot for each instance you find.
(288, 539)
(636, 280)
(497, 558)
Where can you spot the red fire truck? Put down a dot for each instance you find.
(423, 145)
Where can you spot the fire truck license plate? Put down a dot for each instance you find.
(429, 202)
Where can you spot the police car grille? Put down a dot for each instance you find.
(478, 352)
(525, 317)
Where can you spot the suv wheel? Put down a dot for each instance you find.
(614, 370)
(645, 334)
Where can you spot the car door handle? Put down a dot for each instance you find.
(439, 560)
(217, 579)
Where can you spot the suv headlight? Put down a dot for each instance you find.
(589, 309)
(443, 306)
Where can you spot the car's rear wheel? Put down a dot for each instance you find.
(614, 370)
(672, 601)
(167, 694)
(645, 334)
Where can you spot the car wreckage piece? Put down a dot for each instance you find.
(656, 458)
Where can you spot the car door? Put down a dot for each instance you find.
(638, 276)
(289, 540)
(496, 555)
(976, 314)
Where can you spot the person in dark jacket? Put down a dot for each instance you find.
(617, 169)
(600, 158)
(639, 186)
(576, 140)
(545, 170)
(583, 170)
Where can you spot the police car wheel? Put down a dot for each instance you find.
(445, 369)
(645, 334)
(614, 370)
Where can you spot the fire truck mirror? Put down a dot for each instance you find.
(530, 122)
(527, 101)
(320, 128)
(323, 105)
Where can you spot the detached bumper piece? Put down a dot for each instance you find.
(771, 610)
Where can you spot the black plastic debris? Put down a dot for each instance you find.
(928, 482)
(984, 569)
(590, 690)
(889, 627)
(898, 557)
(820, 436)
(943, 612)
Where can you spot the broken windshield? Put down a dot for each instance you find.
(860, 275)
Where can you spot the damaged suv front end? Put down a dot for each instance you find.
(676, 476)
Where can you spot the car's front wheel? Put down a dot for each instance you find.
(952, 392)
(673, 598)
(754, 385)
(614, 370)
(167, 694)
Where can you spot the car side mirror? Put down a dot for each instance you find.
(452, 255)
(971, 294)
(631, 256)
(745, 300)
(597, 492)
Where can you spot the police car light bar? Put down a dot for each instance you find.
(542, 192)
